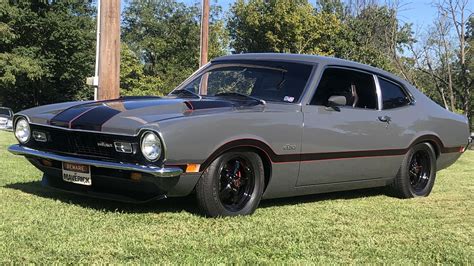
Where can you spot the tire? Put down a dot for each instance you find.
(228, 188)
(417, 172)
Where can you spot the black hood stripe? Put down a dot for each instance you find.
(92, 115)
(94, 118)
(64, 118)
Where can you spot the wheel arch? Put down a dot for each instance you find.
(433, 140)
(259, 147)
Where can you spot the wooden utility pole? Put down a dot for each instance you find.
(204, 44)
(109, 50)
(204, 32)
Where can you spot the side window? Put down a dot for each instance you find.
(393, 95)
(357, 87)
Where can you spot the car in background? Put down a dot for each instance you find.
(6, 118)
(244, 128)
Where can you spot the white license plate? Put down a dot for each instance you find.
(77, 173)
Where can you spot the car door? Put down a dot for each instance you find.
(350, 142)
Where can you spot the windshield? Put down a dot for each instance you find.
(4, 111)
(269, 81)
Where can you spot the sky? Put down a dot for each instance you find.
(419, 12)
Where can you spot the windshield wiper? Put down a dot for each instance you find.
(260, 101)
(185, 92)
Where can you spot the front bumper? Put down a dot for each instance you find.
(110, 180)
(152, 170)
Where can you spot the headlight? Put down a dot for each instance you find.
(151, 146)
(22, 131)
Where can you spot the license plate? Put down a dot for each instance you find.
(77, 173)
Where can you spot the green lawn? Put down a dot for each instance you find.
(39, 225)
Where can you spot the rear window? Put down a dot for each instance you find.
(393, 95)
(4, 111)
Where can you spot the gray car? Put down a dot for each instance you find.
(245, 128)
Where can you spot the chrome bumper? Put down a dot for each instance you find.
(156, 171)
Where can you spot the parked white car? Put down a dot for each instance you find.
(6, 115)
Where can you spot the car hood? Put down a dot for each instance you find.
(126, 115)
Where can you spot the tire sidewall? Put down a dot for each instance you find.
(432, 176)
(213, 172)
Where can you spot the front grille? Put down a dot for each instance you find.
(86, 144)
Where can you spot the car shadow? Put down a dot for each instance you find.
(346, 195)
(186, 204)
(175, 205)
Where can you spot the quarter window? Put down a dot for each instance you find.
(393, 95)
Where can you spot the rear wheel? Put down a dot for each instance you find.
(417, 173)
(231, 185)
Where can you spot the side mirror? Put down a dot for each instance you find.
(335, 101)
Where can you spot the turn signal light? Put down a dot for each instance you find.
(192, 168)
(47, 163)
(136, 176)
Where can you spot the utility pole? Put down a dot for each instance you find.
(204, 43)
(204, 32)
(109, 50)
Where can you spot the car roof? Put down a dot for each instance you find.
(313, 59)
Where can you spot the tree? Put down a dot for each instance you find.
(444, 58)
(283, 26)
(373, 35)
(46, 51)
(133, 80)
(164, 36)
(456, 11)
(467, 75)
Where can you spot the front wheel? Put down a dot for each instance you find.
(232, 185)
(417, 173)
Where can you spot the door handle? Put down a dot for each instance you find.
(386, 119)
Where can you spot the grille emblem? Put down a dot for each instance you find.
(104, 144)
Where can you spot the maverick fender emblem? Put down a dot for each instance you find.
(289, 147)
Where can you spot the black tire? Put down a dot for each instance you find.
(224, 191)
(417, 172)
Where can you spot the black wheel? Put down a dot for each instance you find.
(417, 173)
(231, 185)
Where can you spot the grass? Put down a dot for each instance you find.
(39, 225)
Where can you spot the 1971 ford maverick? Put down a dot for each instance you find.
(247, 127)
